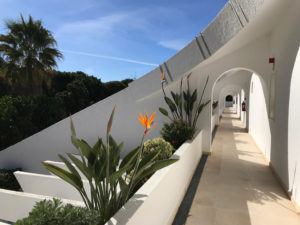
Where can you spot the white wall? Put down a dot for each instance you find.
(140, 209)
(49, 185)
(17, 205)
(294, 132)
(284, 45)
(259, 126)
(158, 200)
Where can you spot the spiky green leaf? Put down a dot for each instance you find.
(163, 111)
(65, 175)
(110, 121)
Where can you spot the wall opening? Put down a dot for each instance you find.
(238, 85)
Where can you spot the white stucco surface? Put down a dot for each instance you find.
(17, 205)
(49, 185)
(158, 200)
(294, 133)
(259, 126)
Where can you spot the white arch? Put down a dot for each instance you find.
(294, 132)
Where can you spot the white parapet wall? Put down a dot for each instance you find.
(158, 200)
(17, 205)
(166, 187)
(49, 185)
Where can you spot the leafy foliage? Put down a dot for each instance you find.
(22, 116)
(54, 212)
(8, 180)
(183, 105)
(28, 56)
(5, 87)
(15, 119)
(160, 146)
(177, 132)
(76, 90)
(185, 109)
(111, 183)
(28, 51)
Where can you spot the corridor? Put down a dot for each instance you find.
(237, 187)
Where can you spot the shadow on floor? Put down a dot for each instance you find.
(187, 201)
(237, 185)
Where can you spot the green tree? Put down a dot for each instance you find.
(28, 51)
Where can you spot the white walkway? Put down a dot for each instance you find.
(237, 187)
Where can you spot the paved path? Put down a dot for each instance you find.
(237, 187)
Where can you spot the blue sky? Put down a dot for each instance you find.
(116, 39)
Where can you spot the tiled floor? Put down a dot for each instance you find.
(237, 187)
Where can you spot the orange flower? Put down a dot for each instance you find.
(147, 121)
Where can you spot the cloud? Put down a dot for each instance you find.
(111, 58)
(99, 25)
(176, 44)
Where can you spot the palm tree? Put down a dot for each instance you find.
(28, 50)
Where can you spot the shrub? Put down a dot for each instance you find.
(15, 119)
(184, 105)
(67, 93)
(177, 132)
(22, 116)
(160, 146)
(5, 87)
(8, 180)
(54, 212)
(111, 183)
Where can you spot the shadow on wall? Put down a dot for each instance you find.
(259, 125)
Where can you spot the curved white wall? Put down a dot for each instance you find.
(259, 126)
(294, 132)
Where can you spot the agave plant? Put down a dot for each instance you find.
(111, 183)
(183, 105)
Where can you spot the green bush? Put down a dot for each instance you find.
(159, 145)
(184, 105)
(177, 132)
(111, 183)
(8, 180)
(5, 87)
(15, 119)
(67, 93)
(23, 116)
(54, 212)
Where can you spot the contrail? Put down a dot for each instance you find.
(110, 57)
